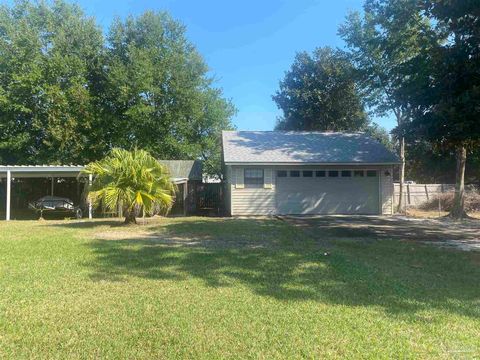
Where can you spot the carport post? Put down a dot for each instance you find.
(9, 188)
(90, 180)
(185, 198)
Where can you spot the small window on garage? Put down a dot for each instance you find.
(282, 173)
(320, 173)
(333, 173)
(307, 173)
(294, 173)
(253, 178)
(346, 173)
(371, 173)
(358, 173)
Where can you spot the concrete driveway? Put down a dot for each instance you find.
(463, 235)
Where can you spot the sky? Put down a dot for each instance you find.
(248, 45)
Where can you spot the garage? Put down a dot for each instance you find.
(311, 192)
(307, 173)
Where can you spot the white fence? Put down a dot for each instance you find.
(415, 194)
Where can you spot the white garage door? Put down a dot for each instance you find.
(327, 192)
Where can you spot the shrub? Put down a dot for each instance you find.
(472, 202)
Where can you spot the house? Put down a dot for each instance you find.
(187, 174)
(279, 173)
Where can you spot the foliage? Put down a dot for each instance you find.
(389, 33)
(446, 91)
(379, 133)
(132, 179)
(160, 94)
(319, 92)
(427, 163)
(446, 200)
(49, 56)
(69, 94)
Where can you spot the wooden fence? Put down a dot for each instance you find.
(415, 194)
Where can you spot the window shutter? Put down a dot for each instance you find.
(239, 182)
(267, 178)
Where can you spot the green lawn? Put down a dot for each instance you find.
(218, 288)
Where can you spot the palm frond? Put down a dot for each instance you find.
(134, 179)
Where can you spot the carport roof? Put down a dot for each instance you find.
(30, 171)
(41, 170)
(289, 147)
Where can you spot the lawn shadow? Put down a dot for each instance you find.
(88, 224)
(277, 260)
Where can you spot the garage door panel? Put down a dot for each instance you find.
(327, 195)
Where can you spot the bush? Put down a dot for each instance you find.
(472, 202)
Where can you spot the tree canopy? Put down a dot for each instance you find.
(319, 92)
(69, 93)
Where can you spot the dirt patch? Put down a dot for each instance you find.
(463, 235)
(122, 234)
(168, 238)
(435, 214)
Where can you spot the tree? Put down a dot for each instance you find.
(446, 91)
(319, 92)
(69, 94)
(380, 134)
(132, 179)
(159, 93)
(49, 55)
(389, 33)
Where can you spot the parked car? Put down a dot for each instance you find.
(57, 205)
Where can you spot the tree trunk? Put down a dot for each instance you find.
(458, 211)
(130, 217)
(402, 175)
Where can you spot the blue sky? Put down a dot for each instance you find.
(247, 44)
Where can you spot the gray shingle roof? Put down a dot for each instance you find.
(303, 147)
(186, 169)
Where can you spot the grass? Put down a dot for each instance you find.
(230, 288)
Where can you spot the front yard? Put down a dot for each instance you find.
(217, 288)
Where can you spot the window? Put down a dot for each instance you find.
(358, 173)
(371, 173)
(307, 173)
(294, 173)
(253, 178)
(282, 173)
(346, 173)
(333, 173)
(320, 173)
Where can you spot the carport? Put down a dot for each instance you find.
(51, 172)
(8, 173)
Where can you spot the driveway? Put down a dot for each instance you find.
(463, 235)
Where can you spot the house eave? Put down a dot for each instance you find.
(296, 163)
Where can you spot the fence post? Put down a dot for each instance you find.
(90, 206)
(408, 194)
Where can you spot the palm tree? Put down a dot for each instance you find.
(134, 180)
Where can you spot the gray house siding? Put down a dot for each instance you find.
(315, 195)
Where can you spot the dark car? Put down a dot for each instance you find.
(55, 204)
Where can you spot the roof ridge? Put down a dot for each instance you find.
(295, 132)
